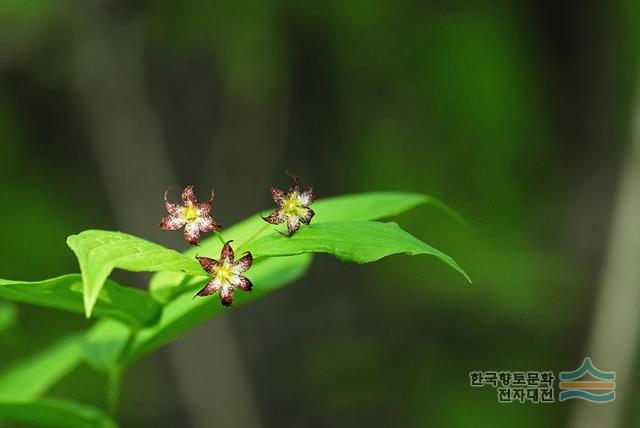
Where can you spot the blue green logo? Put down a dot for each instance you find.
(596, 386)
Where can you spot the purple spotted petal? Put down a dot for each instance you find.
(243, 263)
(192, 233)
(226, 255)
(188, 196)
(306, 219)
(292, 225)
(207, 264)
(174, 209)
(307, 197)
(278, 196)
(211, 287)
(296, 185)
(207, 224)
(226, 294)
(171, 222)
(241, 283)
(275, 217)
(205, 207)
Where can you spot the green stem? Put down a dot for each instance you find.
(114, 377)
(252, 237)
(113, 390)
(220, 238)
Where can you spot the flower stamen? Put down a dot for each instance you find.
(224, 272)
(189, 214)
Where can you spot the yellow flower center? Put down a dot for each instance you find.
(189, 213)
(224, 273)
(292, 206)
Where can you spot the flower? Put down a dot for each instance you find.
(192, 215)
(226, 274)
(292, 207)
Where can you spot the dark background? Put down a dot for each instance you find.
(517, 114)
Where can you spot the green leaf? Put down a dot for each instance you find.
(374, 206)
(353, 240)
(176, 289)
(185, 312)
(164, 286)
(29, 378)
(128, 305)
(104, 344)
(8, 315)
(55, 413)
(101, 251)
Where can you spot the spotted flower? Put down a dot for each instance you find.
(292, 207)
(226, 274)
(193, 215)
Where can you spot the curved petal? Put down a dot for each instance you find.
(207, 264)
(204, 208)
(296, 184)
(226, 295)
(306, 218)
(207, 224)
(275, 217)
(278, 196)
(171, 222)
(188, 196)
(292, 225)
(243, 263)
(226, 255)
(174, 209)
(241, 283)
(212, 286)
(307, 197)
(192, 233)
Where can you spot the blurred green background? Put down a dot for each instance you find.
(517, 114)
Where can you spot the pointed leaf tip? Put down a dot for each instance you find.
(101, 251)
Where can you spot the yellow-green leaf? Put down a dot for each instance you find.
(349, 240)
(101, 251)
(29, 378)
(125, 304)
(55, 414)
(164, 286)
